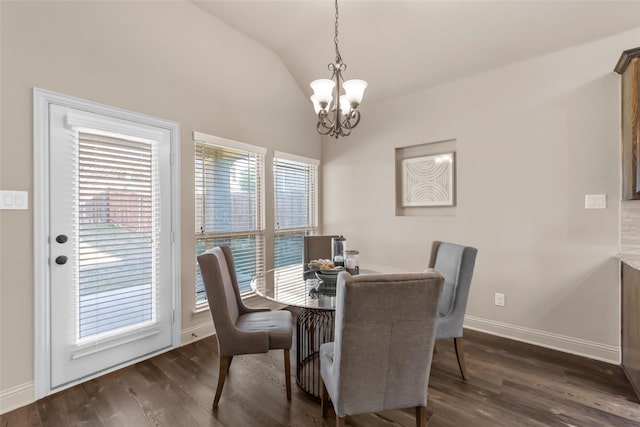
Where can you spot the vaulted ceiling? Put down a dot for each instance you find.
(401, 46)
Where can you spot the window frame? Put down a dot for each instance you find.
(258, 232)
(312, 226)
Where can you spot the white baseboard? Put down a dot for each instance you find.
(593, 350)
(16, 397)
(197, 332)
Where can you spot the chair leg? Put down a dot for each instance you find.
(324, 399)
(340, 421)
(287, 372)
(421, 416)
(230, 360)
(457, 342)
(222, 374)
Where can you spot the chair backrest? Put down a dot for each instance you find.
(384, 335)
(317, 247)
(455, 263)
(221, 285)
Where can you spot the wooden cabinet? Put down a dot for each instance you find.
(628, 67)
(631, 325)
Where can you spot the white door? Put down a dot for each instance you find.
(111, 260)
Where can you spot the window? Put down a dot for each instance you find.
(296, 206)
(229, 178)
(116, 226)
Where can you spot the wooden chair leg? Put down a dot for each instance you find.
(324, 399)
(421, 416)
(230, 360)
(340, 421)
(222, 374)
(457, 342)
(287, 372)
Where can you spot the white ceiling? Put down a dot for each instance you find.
(400, 46)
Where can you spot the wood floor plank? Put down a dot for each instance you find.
(112, 401)
(242, 412)
(512, 384)
(162, 401)
(311, 420)
(567, 410)
(195, 381)
(54, 411)
(27, 416)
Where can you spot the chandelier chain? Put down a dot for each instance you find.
(335, 39)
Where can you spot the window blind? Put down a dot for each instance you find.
(229, 180)
(117, 200)
(296, 206)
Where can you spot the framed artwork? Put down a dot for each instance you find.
(429, 180)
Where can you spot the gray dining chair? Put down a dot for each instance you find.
(455, 263)
(240, 329)
(384, 327)
(315, 247)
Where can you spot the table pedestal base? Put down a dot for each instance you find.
(313, 328)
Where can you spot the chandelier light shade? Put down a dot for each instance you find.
(336, 101)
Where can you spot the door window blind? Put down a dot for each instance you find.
(117, 200)
(229, 187)
(296, 206)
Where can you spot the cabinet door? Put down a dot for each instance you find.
(629, 68)
(631, 325)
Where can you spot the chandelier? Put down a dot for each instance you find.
(338, 118)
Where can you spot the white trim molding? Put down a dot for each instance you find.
(228, 143)
(592, 350)
(16, 397)
(296, 158)
(197, 332)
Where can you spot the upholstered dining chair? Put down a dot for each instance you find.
(240, 329)
(384, 327)
(316, 247)
(455, 263)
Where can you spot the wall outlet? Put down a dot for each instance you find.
(499, 299)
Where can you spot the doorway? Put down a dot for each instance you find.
(106, 218)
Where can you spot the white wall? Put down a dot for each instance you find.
(532, 139)
(166, 59)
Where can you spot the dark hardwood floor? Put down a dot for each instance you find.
(512, 384)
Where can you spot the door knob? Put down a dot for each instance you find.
(60, 260)
(62, 238)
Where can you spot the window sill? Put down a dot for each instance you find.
(200, 308)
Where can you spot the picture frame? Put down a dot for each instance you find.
(428, 181)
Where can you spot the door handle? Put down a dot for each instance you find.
(60, 260)
(61, 238)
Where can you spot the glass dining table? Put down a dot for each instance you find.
(294, 286)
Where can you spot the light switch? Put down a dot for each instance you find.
(595, 201)
(14, 199)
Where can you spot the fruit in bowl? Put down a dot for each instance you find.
(321, 264)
